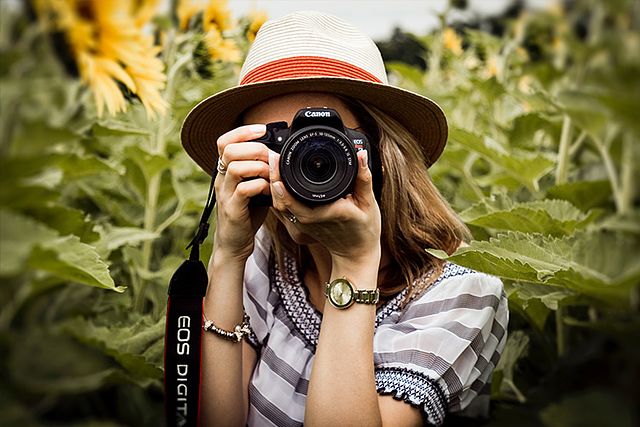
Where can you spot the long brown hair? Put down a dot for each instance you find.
(415, 216)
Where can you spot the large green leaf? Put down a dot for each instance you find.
(137, 346)
(150, 164)
(68, 258)
(554, 217)
(549, 295)
(116, 128)
(583, 194)
(18, 236)
(599, 264)
(590, 408)
(43, 362)
(628, 223)
(516, 348)
(112, 237)
(525, 166)
(527, 125)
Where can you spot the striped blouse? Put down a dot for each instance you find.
(437, 354)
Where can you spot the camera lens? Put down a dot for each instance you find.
(318, 164)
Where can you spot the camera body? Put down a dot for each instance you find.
(318, 162)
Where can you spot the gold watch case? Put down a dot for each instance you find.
(342, 294)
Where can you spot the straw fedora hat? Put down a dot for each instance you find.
(311, 51)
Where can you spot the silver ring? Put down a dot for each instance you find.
(291, 217)
(222, 167)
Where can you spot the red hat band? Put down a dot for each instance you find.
(306, 66)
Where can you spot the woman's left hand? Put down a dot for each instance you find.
(349, 228)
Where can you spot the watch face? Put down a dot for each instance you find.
(341, 293)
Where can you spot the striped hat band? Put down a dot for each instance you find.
(310, 51)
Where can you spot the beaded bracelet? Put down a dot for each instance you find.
(235, 335)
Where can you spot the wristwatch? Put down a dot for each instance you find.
(342, 294)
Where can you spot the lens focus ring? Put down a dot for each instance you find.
(319, 164)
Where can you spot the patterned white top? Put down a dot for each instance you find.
(438, 353)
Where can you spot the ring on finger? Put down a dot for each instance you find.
(222, 167)
(291, 217)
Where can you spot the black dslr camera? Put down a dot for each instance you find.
(318, 162)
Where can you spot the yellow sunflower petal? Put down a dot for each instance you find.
(256, 19)
(217, 16)
(222, 49)
(115, 70)
(145, 12)
(452, 41)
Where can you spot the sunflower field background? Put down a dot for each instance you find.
(98, 199)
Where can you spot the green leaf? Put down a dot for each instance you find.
(150, 164)
(70, 259)
(18, 236)
(137, 346)
(516, 348)
(590, 408)
(554, 217)
(64, 219)
(586, 110)
(112, 237)
(527, 125)
(114, 127)
(583, 194)
(409, 74)
(46, 363)
(36, 137)
(76, 166)
(599, 264)
(548, 295)
(525, 166)
(628, 223)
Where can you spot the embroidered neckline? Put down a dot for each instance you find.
(304, 315)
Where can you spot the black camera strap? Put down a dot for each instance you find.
(183, 331)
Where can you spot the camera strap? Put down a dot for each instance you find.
(183, 330)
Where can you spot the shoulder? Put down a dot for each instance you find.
(440, 350)
(462, 286)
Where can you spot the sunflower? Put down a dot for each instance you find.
(220, 48)
(216, 20)
(111, 50)
(256, 19)
(215, 14)
(452, 41)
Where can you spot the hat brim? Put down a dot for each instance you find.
(219, 113)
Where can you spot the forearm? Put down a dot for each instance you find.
(342, 385)
(222, 393)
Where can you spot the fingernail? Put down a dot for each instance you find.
(258, 129)
(278, 187)
(364, 159)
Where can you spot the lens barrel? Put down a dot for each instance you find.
(318, 164)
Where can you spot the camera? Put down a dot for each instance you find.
(318, 162)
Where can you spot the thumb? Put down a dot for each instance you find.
(363, 189)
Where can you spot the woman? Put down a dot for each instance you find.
(424, 336)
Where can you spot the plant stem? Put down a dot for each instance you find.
(158, 146)
(577, 144)
(561, 178)
(610, 167)
(167, 222)
(563, 151)
(561, 337)
(627, 184)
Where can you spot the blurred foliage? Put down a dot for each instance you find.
(95, 209)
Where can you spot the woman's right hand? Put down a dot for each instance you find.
(247, 175)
